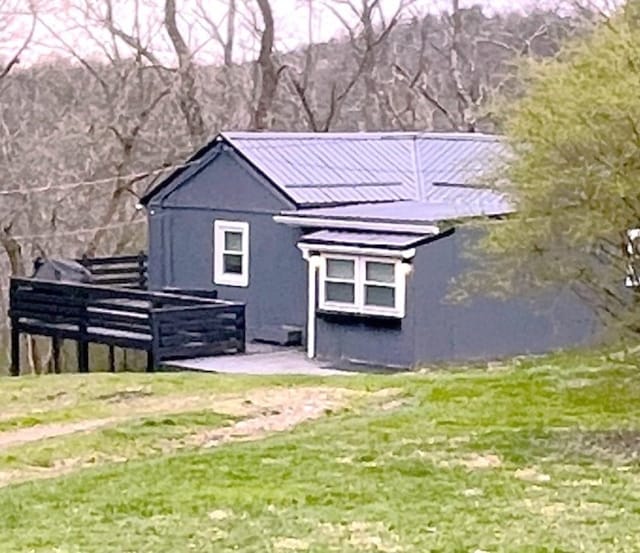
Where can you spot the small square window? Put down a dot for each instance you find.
(340, 268)
(231, 253)
(380, 296)
(341, 292)
(232, 263)
(232, 241)
(380, 272)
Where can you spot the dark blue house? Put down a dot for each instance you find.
(352, 240)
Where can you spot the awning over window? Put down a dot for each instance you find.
(385, 241)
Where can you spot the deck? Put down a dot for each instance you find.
(168, 325)
(261, 360)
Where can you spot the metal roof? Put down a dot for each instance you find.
(459, 161)
(414, 176)
(412, 211)
(370, 239)
(320, 168)
(340, 168)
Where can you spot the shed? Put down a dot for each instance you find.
(349, 241)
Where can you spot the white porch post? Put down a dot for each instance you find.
(314, 263)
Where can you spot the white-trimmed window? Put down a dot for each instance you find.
(633, 257)
(231, 253)
(366, 285)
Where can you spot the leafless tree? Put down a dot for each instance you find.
(477, 60)
(189, 105)
(72, 175)
(269, 73)
(367, 29)
(9, 12)
(228, 20)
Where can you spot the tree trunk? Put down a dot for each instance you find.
(268, 72)
(187, 99)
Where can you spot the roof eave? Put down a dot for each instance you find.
(356, 224)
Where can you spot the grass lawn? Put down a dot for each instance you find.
(533, 456)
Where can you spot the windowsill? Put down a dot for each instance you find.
(346, 317)
(236, 283)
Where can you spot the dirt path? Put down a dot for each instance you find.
(44, 431)
(291, 404)
(278, 413)
(265, 411)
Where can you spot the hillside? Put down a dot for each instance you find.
(537, 455)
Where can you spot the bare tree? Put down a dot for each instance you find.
(269, 74)
(189, 105)
(75, 162)
(226, 41)
(9, 12)
(367, 29)
(464, 60)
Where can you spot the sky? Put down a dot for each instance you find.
(78, 29)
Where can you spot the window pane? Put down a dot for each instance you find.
(232, 263)
(339, 291)
(233, 241)
(380, 272)
(380, 296)
(340, 268)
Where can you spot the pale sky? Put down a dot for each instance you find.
(68, 18)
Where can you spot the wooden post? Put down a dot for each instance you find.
(55, 354)
(15, 350)
(83, 356)
(152, 356)
(83, 344)
(241, 329)
(142, 270)
(112, 359)
(151, 361)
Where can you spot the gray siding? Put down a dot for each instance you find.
(181, 241)
(436, 330)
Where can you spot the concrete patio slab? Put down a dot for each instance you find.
(265, 361)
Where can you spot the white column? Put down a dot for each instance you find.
(314, 264)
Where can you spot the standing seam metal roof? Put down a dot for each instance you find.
(342, 168)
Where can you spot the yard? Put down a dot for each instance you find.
(530, 456)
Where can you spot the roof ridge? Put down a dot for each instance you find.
(361, 135)
(471, 136)
(303, 135)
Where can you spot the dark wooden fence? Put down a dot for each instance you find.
(124, 270)
(165, 325)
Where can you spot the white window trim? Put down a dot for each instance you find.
(632, 281)
(219, 276)
(359, 306)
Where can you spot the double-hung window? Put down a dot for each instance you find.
(373, 286)
(231, 253)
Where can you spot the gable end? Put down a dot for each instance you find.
(202, 159)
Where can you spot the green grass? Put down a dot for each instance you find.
(561, 475)
(142, 437)
(28, 401)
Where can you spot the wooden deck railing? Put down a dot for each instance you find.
(123, 270)
(165, 325)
